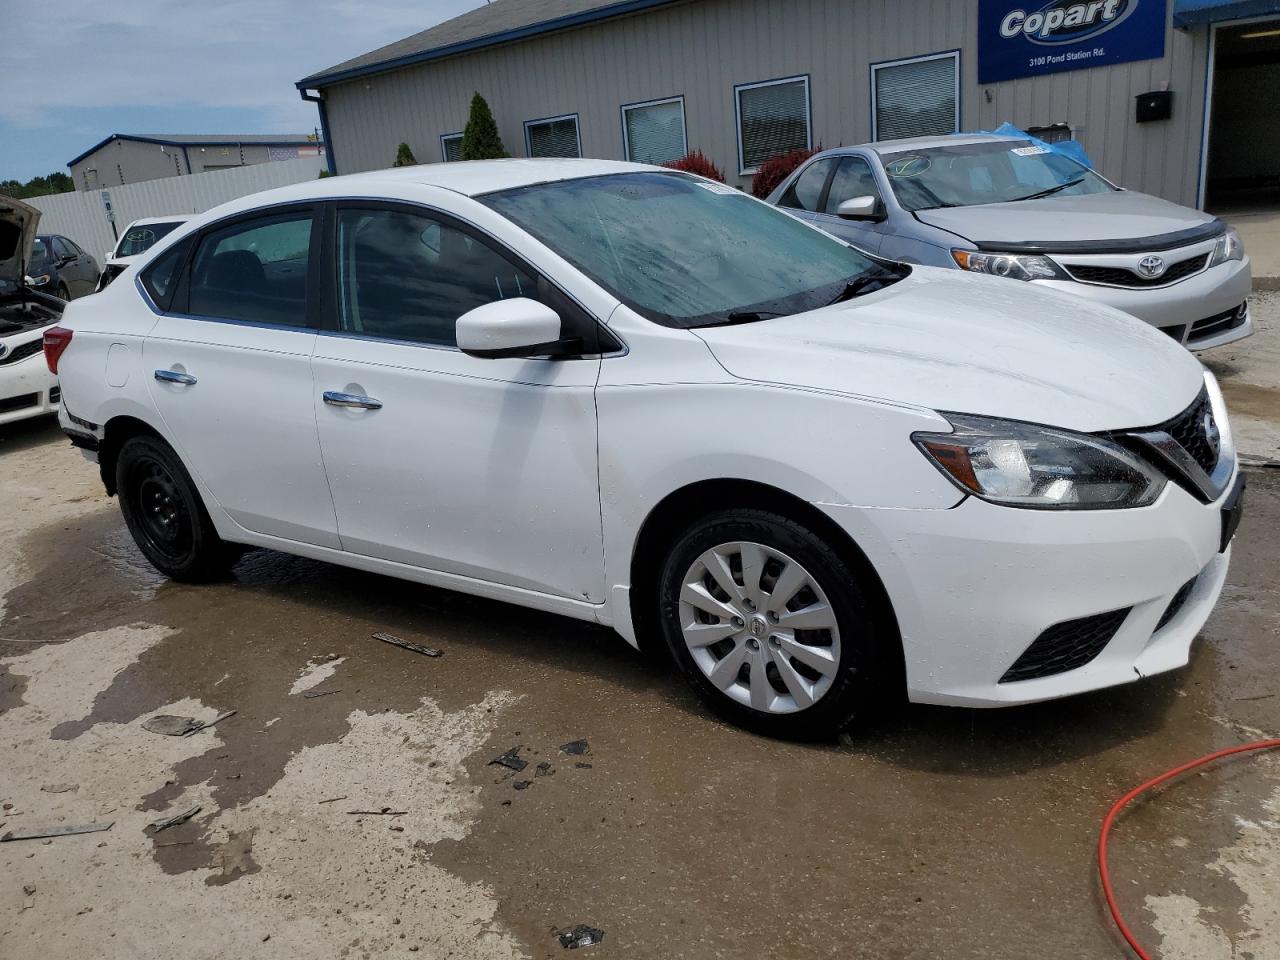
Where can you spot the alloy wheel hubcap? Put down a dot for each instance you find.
(759, 627)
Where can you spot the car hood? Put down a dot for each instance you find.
(1059, 223)
(946, 340)
(18, 222)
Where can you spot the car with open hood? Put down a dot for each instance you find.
(136, 239)
(643, 399)
(1013, 207)
(27, 387)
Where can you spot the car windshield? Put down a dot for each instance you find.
(994, 171)
(39, 253)
(141, 238)
(686, 252)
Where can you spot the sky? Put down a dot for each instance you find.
(74, 72)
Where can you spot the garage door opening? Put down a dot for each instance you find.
(1243, 163)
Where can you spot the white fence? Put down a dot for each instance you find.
(82, 215)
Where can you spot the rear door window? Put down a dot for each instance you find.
(254, 271)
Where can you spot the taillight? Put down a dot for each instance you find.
(56, 340)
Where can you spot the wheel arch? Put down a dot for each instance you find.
(115, 433)
(674, 513)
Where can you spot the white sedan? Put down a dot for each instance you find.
(138, 237)
(28, 387)
(636, 397)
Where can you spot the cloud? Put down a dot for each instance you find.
(156, 53)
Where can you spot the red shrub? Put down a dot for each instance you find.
(697, 162)
(776, 169)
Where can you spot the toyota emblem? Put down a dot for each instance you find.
(1151, 266)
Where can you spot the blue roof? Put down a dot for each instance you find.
(1187, 13)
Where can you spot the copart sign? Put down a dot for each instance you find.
(1027, 38)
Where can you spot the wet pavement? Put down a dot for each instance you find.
(931, 832)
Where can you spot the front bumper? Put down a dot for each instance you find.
(1186, 310)
(27, 389)
(972, 587)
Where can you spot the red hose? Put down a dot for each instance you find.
(1124, 801)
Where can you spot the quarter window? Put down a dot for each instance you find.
(451, 147)
(773, 118)
(654, 132)
(806, 192)
(254, 271)
(161, 276)
(853, 179)
(553, 137)
(915, 98)
(404, 276)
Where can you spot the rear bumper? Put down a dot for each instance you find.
(27, 389)
(1187, 310)
(974, 586)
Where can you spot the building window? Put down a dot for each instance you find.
(773, 118)
(919, 97)
(450, 147)
(553, 137)
(653, 132)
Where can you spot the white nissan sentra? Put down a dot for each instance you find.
(643, 399)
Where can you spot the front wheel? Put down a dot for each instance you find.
(770, 625)
(165, 515)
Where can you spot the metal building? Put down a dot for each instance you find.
(124, 158)
(1133, 80)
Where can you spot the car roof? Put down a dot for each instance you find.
(883, 147)
(144, 221)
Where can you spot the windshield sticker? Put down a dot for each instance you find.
(720, 188)
(1030, 151)
(908, 167)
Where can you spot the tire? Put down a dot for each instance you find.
(819, 695)
(166, 516)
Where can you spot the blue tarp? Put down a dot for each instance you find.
(1187, 13)
(1068, 148)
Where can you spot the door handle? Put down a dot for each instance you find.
(172, 376)
(336, 398)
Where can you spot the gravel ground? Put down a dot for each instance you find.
(1249, 371)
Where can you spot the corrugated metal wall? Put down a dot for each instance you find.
(701, 49)
(81, 216)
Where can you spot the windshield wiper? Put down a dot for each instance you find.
(745, 316)
(1051, 190)
(867, 283)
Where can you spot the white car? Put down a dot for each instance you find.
(27, 386)
(137, 238)
(639, 398)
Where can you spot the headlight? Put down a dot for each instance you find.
(1024, 465)
(39, 281)
(1227, 248)
(1016, 266)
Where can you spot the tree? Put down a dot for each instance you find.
(480, 140)
(37, 186)
(405, 157)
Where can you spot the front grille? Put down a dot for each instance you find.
(1176, 604)
(1219, 322)
(1066, 646)
(1191, 429)
(1122, 277)
(9, 404)
(21, 352)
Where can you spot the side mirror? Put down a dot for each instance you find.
(518, 327)
(860, 208)
(64, 260)
(108, 255)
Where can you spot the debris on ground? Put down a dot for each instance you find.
(171, 726)
(384, 812)
(575, 748)
(59, 787)
(173, 821)
(333, 799)
(511, 760)
(544, 769)
(319, 693)
(582, 766)
(28, 896)
(416, 648)
(522, 784)
(37, 833)
(580, 936)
